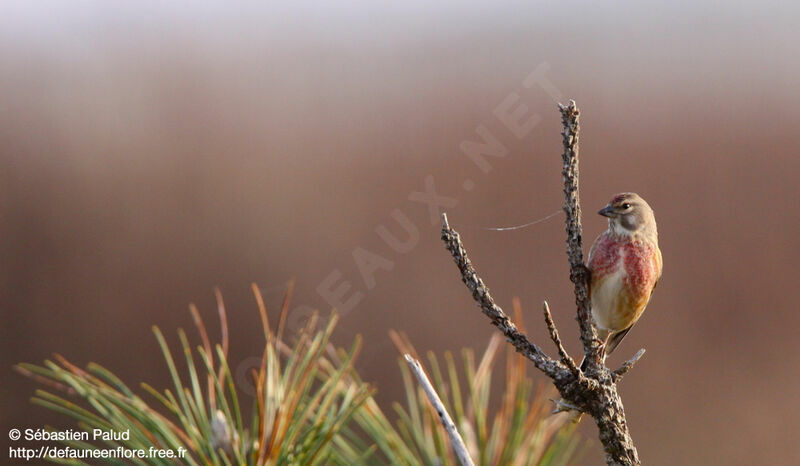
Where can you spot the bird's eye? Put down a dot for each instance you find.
(626, 206)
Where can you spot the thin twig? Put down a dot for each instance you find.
(455, 438)
(578, 273)
(499, 318)
(616, 376)
(551, 327)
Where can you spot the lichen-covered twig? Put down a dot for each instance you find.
(455, 438)
(480, 292)
(626, 366)
(578, 273)
(551, 328)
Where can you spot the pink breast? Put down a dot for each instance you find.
(637, 257)
(640, 269)
(606, 255)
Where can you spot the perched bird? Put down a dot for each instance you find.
(625, 264)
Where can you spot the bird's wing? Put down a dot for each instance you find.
(654, 287)
(615, 339)
(659, 269)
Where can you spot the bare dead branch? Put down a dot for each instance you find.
(499, 318)
(578, 273)
(591, 390)
(455, 438)
(616, 376)
(551, 327)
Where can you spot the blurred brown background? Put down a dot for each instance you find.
(149, 153)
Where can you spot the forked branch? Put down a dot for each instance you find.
(593, 391)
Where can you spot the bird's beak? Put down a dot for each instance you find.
(607, 211)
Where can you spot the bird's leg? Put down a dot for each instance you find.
(603, 348)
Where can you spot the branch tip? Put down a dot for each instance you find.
(551, 328)
(481, 295)
(562, 406)
(626, 366)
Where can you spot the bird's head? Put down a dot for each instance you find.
(628, 214)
